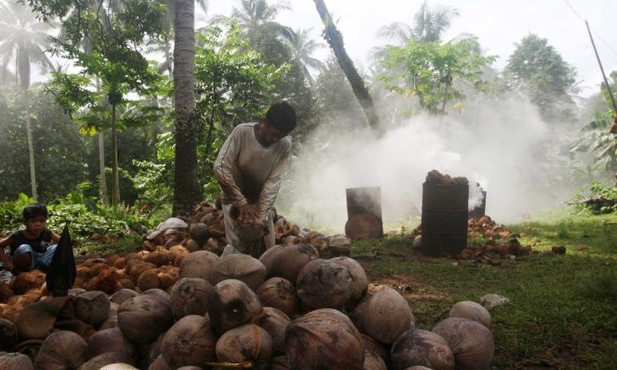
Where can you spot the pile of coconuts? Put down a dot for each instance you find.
(301, 305)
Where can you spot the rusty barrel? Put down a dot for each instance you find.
(364, 220)
(444, 219)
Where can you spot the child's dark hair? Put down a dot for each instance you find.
(35, 210)
(282, 116)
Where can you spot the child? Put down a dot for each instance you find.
(32, 247)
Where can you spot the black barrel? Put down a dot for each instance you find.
(444, 219)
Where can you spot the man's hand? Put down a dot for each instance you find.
(249, 214)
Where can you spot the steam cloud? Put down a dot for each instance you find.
(504, 146)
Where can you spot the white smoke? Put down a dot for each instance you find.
(502, 146)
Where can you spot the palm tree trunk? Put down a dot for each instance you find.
(186, 187)
(115, 178)
(335, 40)
(30, 146)
(103, 180)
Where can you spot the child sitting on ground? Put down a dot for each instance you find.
(33, 247)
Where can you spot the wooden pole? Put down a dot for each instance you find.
(608, 87)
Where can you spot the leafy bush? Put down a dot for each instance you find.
(602, 199)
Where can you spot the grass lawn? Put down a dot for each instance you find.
(562, 309)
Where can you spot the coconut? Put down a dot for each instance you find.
(190, 341)
(267, 256)
(324, 284)
(233, 303)
(159, 257)
(198, 265)
(290, 260)
(359, 284)
(27, 280)
(473, 311)
(472, 343)
(144, 317)
(373, 345)
(190, 296)
(279, 293)
(199, 233)
(8, 335)
(373, 361)
(246, 344)
(110, 340)
(324, 339)
(339, 245)
(122, 295)
(239, 266)
(15, 361)
(275, 322)
(37, 320)
(92, 307)
(135, 267)
(159, 364)
(119, 366)
(417, 347)
(99, 361)
(280, 363)
(61, 350)
(386, 315)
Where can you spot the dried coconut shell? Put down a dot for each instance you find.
(198, 265)
(239, 266)
(190, 296)
(232, 304)
(190, 341)
(473, 311)
(15, 360)
(144, 317)
(324, 339)
(386, 315)
(324, 284)
(417, 347)
(8, 335)
(61, 350)
(291, 260)
(472, 343)
(281, 294)
(246, 343)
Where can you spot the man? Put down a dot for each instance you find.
(249, 168)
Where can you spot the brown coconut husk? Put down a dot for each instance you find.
(472, 343)
(190, 341)
(8, 335)
(281, 294)
(324, 284)
(245, 344)
(359, 285)
(190, 296)
(232, 304)
(62, 350)
(275, 322)
(92, 307)
(417, 347)
(385, 315)
(15, 360)
(198, 265)
(373, 361)
(144, 317)
(239, 266)
(324, 339)
(291, 260)
(110, 340)
(473, 311)
(98, 362)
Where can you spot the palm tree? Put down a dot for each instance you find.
(428, 25)
(24, 41)
(256, 18)
(186, 188)
(302, 49)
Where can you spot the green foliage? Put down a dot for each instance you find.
(538, 70)
(596, 140)
(429, 70)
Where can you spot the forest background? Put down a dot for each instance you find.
(103, 124)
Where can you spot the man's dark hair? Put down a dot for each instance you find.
(282, 116)
(35, 210)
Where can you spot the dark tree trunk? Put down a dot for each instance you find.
(335, 40)
(186, 188)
